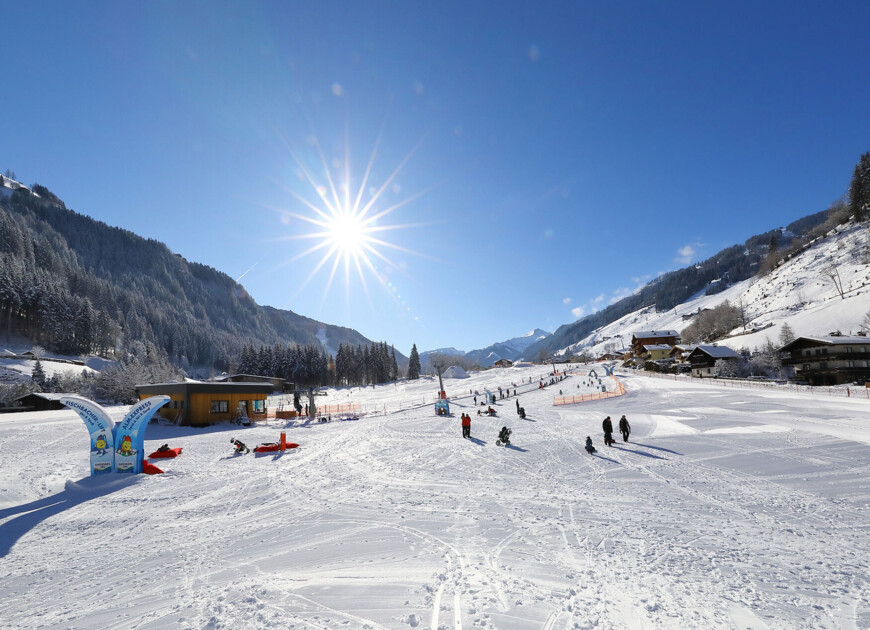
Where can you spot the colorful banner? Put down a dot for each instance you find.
(130, 434)
(100, 427)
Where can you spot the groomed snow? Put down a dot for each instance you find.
(728, 508)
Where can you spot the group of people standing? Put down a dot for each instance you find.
(624, 428)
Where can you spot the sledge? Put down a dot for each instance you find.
(172, 452)
(150, 469)
(271, 447)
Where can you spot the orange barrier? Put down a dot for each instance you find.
(570, 400)
(343, 408)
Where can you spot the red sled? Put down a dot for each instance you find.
(173, 452)
(269, 448)
(150, 469)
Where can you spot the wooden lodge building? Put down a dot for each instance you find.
(829, 360)
(652, 337)
(703, 359)
(199, 404)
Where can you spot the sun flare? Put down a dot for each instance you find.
(348, 233)
(348, 226)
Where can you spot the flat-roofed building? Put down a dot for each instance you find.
(200, 404)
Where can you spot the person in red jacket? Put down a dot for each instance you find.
(466, 425)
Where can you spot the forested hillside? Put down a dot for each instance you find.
(78, 286)
(728, 266)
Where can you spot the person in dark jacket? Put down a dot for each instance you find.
(607, 425)
(625, 428)
(589, 448)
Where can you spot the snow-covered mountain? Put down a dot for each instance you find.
(802, 292)
(512, 349)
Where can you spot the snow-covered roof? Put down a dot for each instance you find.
(657, 346)
(652, 334)
(717, 352)
(827, 340)
(46, 396)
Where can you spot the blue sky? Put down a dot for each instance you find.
(531, 162)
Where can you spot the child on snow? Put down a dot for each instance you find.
(589, 448)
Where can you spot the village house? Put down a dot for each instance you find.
(704, 357)
(829, 360)
(652, 337)
(655, 352)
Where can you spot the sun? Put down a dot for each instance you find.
(347, 233)
(348, 228)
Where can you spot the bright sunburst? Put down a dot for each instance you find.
(346, 229)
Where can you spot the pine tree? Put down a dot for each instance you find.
(414, 364)
(38, 375)
(394, 368)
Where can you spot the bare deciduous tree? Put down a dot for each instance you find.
(832, 274)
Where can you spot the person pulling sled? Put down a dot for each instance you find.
(240, 446)
(504, 437)
(624, 428)
(607, 425)
(589, 448)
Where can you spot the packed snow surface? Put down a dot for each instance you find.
(727, 508)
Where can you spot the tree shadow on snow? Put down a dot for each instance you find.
(658, 448)
(35, 512)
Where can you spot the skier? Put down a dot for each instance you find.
(625, 428)
(466, 425)
(240, 446)
(589, 448)
(607, 425)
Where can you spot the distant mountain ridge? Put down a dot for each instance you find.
(512, 349)
(78, 286)
(728, 266)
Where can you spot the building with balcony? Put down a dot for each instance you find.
(829, 360)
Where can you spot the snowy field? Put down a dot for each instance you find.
(728, 508)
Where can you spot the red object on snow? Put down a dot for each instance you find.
(268, 448)
(173, 452)
(150, 469)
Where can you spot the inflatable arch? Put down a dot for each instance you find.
(101, 429)
(116, 448)
(593, 374)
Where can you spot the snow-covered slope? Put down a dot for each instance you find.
(727, 508)
(799, 292)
